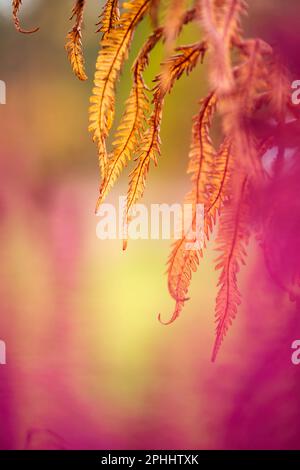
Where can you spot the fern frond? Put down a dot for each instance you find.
(183, 261)
(74, 43)
(114, 50)
(150, 145)
(148, 150)
(221, 22)
(173, 22)
(238, 108)
(132, 123)
(153, 12)
(232, 238)
(109, 17)
(279, 85)
(16, 5)
(184, 61)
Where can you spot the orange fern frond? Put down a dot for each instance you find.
(183, 261)
(232, 238)
(114, 50)
(109, 17)
(173, 22)
(149, 150)
(74, 43)
(16, 5)
(153, 12)
(132, 124)
(185, 60)
(150, 145)
(217, 184)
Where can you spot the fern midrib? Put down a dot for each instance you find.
(113, 9)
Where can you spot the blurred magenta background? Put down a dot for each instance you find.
(88, 364)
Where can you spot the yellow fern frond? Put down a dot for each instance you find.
(132, 124)
(109, 17)
(232, 239)
(74, 44)
(114, 48)
(16, 5)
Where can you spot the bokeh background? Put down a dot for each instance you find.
(88, 364)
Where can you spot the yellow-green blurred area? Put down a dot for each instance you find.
(87, 358)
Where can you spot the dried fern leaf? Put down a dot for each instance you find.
(109, 17)
(149, 150)
(183, 261)
(221, 22)
(114, 48)
(251, 81)
(129, 132)
(279, 83)
(232, 238)
(150, 145)
(16, 5)
(173, 22)
(74, 42)
(131, 127)
(153, 12)
(184, 61)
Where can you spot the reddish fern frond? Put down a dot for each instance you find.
(183, 261)
(251, 76)
(109, 17)
(232, 238)
(279, 85)
(113, 52)
(132, 124)
(16, 5)
(251, 81)
(218, 182)
(221, 22)
(74, 41)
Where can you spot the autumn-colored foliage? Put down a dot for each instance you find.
(248, 85)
